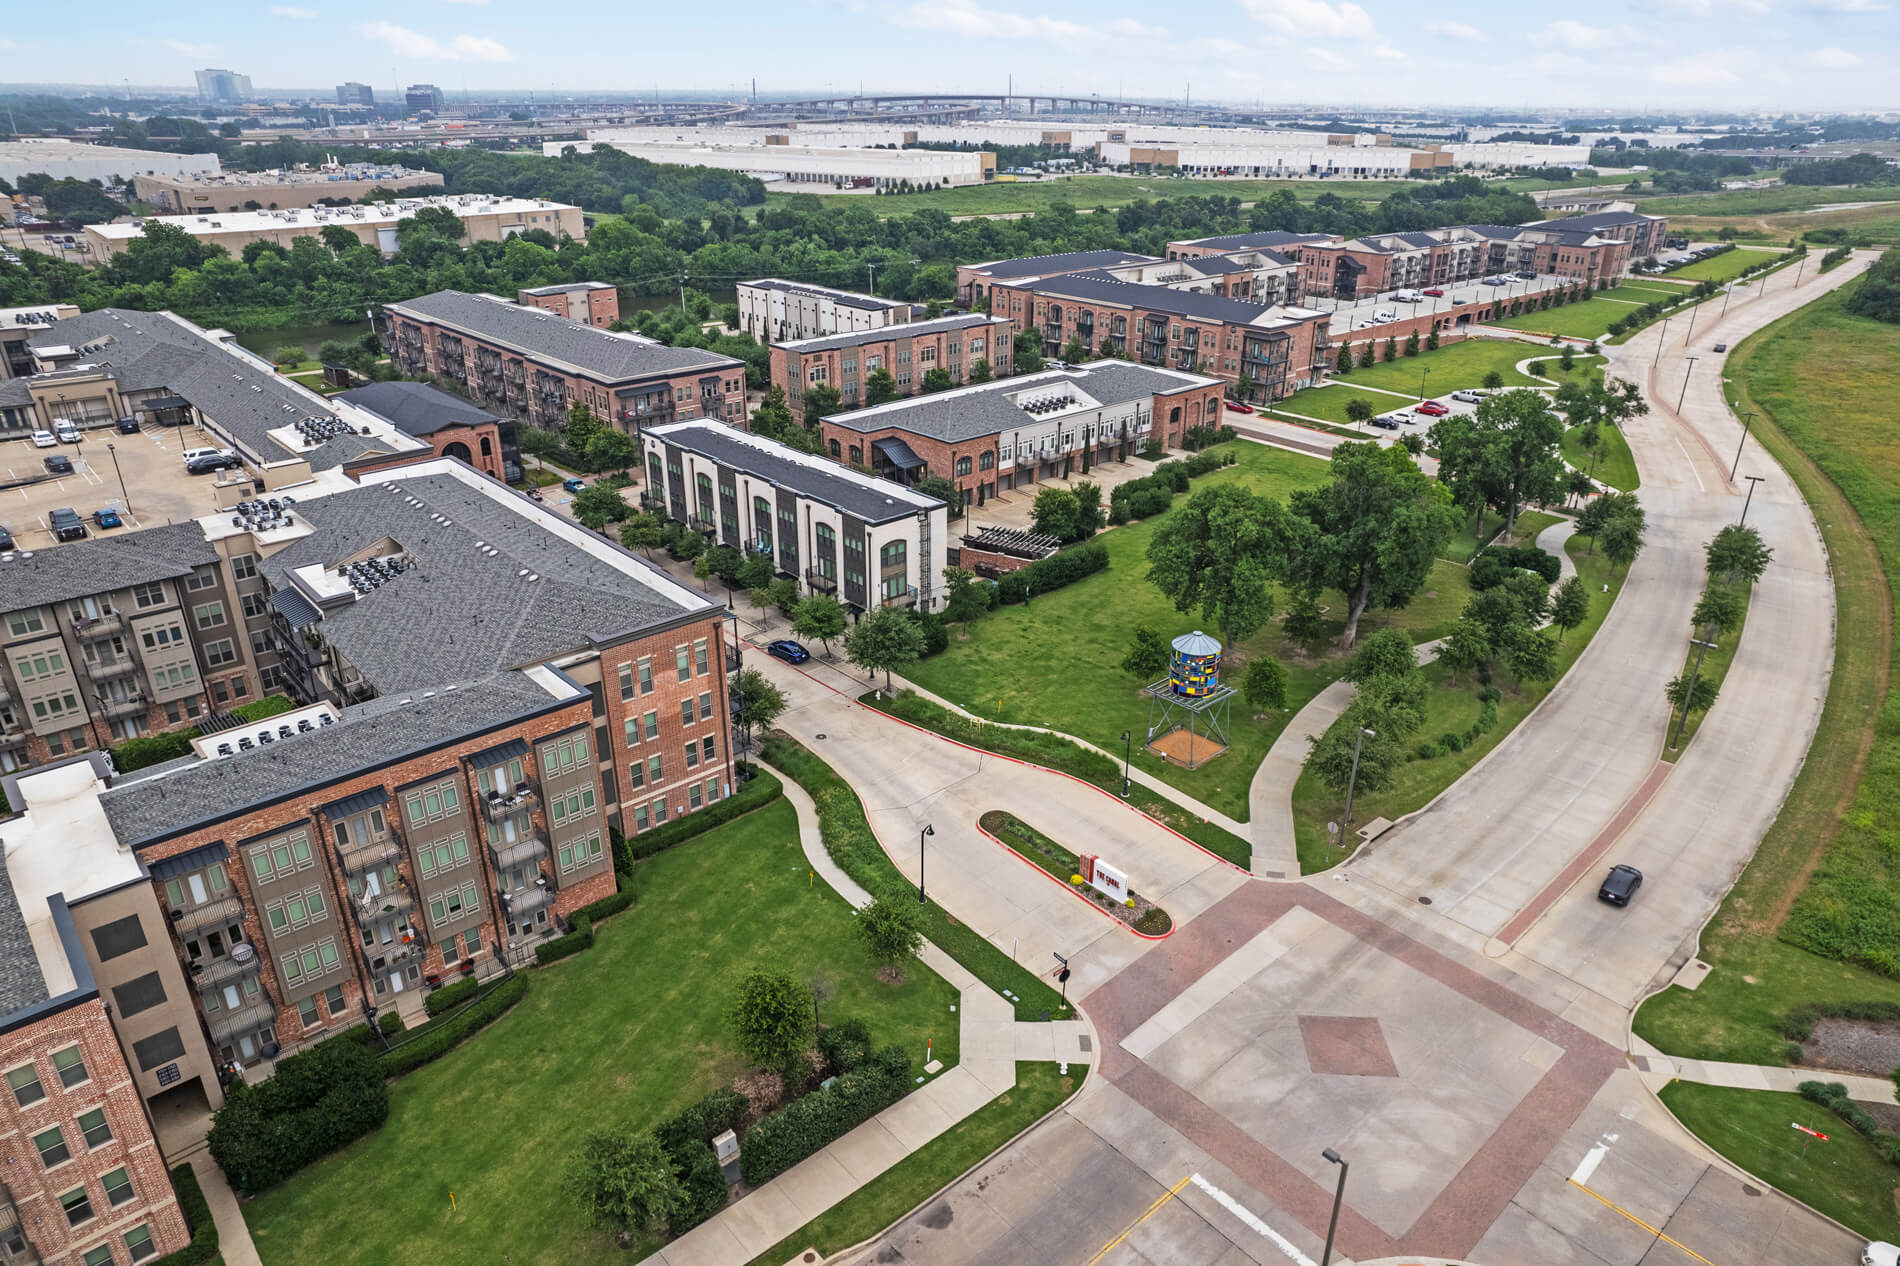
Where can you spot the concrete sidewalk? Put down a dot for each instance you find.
(1270, 795)
(1658, 1070)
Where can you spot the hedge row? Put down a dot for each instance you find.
(581, 937)
(1151, 494)
(449, 997)
(156, 749)
(606, 907)
(1798, 1024)
(800, 1128)
(1495, 565)
(1059, 569)
(198, 1220)
(317, 1101)
(757, 791)
(687, 1140)
(1833, 1096)
(431, 1041)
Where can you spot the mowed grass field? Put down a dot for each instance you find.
(622, 1035)
(1588, 319)
(1056, 662)
(1772, 200)
(1724, 267)
(1878, 225)
(1820, 903)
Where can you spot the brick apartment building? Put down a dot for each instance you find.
(534, 364)
(588, 302)
(1003, 436)
(449, 425)
(488, 690)
(1256, 275)
(773, 310)
(1275, 349)
(1436, 257)
(1281, 243)
(1644, 233)
(868, 541)
(908, 351)
(974, 281)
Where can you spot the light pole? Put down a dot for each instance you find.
(1746, 501)
(1691, 334)
(1353, 778)
(872, 269)
(123, 494)
(928, 830)
(1660, 340)
(1746, 419)
(1684, 394)
(1728, 292)
(1127, 748)
(1688, 695)
(1339, 1195)
(1421, 383)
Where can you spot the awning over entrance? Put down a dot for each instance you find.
(897, 453)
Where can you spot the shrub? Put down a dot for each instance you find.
(1427, 750)
(449, 997)
(606, 907)
(198, 1220)
(437, 1038)
(390, 1023)
(1452, 742)
(936, 634)
(1053, 572)
(316, 1102)
(845, 1045)
(1798, 1024)
(703, 1190)
(800, 1128)
(1832, 1095)
(579, 937)
(724, 1109)
(759, 790)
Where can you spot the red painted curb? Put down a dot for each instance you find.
(1077, 895)
(1591, 855)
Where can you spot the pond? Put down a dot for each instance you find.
(308, 337)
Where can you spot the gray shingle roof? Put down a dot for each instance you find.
(416, 407)
(1598, 220)
(873, 500)
(889, 333)
(101, 564)
(1039, 265)
(178, 796)
(21, 982)
(843, 298)
(543, 335)
(1097, 287)
(1254, 241)
(974, 412)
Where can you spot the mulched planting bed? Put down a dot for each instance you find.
(1141, 914)
(1870, 1047)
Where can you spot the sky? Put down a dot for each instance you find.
(1625, 57)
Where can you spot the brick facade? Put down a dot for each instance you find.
(591, 303)
(907, 352)
(628, 698)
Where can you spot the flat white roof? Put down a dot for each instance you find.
(379, 214)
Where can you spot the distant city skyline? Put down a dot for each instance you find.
(1803, 55)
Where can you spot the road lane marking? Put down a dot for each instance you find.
(1588, 1165)
(1656, 1231)
(1156, 1207)
(1252, 1219)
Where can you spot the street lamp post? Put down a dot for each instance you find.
(872, 269)
(123, 494)
(1660, 340)
(1127, 749)
(1353, 778)
(1684, 394)
(1728, 292)
(1691, 333)
(1746, 419)
(1688, 695)
(1749, 499)
(928, 830)
(1339, 1195)
(1421, 383)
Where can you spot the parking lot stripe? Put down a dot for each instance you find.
(1156, 1207)
(1253, 1221)
(1658, 1232)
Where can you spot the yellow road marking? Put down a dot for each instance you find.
(1153, 1209)
(1658, 1232)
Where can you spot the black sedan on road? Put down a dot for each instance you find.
(788, 650)
(1620, 885)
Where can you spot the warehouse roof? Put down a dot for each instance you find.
(886, 333)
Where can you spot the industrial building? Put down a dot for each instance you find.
(865, 540)
(355, 94)
(908, 352)
(484, 219)
(773, 310)
(420, 97)
(278, 190)
(840, 167)
(76, 160)
(223, 86)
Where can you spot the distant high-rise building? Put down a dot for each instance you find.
(223, 85)
(355, 94)
(424, 97)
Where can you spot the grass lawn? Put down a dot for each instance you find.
(1588, 319)
(1329, 404)
(1040, 1089)
(1821, 380)
(539, 477)
(1844, 1177)
(624, 1035)
(1611, 463)
(1583, 369)
(1003, 673)
(1775, 198)
(1531, 522)
(1465, 542)
(1451, 706)
(1878, 225)
(1452, 366)
(1714, 668)
(1724, 267)
(1092, 190)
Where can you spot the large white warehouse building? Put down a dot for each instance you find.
(75, 160)
(840, 167)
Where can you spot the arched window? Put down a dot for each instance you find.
(963, 465)
(857, 455)
(835, 450)
(986, 461)
(488, 447)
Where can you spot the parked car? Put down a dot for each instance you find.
(1408, 296)
(1432, 409)
(107, 517)
(788, 650)
(1435, 293)
(65, 431)
(128, 426)
(66, 524)
(1721, 347)
(57, 464)
(1385, 314)
(6, 540)
(1385, 423)
(1367, 324)
(1495, 281)
(1525, 274)
(1236, 406)
(1467, 396)
(573, 485)
(1620, 884)
(534, 494)
(208, 461)
(1880, 1253)
(45, 439)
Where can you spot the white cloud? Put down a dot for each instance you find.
(1715, 8)
(1832, 59)
(292, 11)
(960, 17)
(199, 51)
(1848, 6)
(465, 1)
(463, 48)
(1456, 30)
(1128, 28)
(1691, 72)
(1314, 17)
(1570, 34)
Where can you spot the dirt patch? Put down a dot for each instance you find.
(1868, 1047)
(762, 1090)
(1885, 1115)
(891, 974)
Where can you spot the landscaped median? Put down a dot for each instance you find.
(1136, 913)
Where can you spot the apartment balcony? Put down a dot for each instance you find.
(226, 1025)
(905, 599)
(105, 624)
(117, 666)
(214, 974)
(384, 905)
(522, 905)
(820, 582)
(131, 705)
(358, 859)
(497, 805)
(520, 852)
(9, 1212)
(1025, 459)
(211, 914)
(394, 954)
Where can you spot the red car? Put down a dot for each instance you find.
(1237, 407)
(1432, 409)
(1436, 293)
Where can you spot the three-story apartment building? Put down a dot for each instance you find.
(954, 344)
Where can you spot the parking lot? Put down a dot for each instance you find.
(1352, 317)
(155, 490)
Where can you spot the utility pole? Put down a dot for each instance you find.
(683, 292)
(1750, 498)
(872, 269)
(1747, 417)
(1684, 395)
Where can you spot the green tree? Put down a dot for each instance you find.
(1737, 554)
(1343, 365)
(1412, 442)
(980, 370)
(772, 1021)
(1089, 516)
(1530, 656)
(582, 427)
(1359, 409)
(967, 598)
(760, 703)
(1493, 380)
(1028, 352)
(880, 386)
(597, 505)
(1218, 552)
(1055, 512)
(643, 532)
(1570, 607)
(754, 572)
(1147, 656)
(1391, 350)
(291, 354)
(820, 400)
(1387, 653)
(890, 928)
(1074, 351)
(884, 638)
(820, 616)
(1677, 689)
(1431, 340)
(612, 450)
(773, 417)
(1465, 647)
(1367, 356)
(937, 379)
(1720, 610)
(943, 490)
(1373, 531)
(1411, 343)
(623, 1182)
(1331, 756)
(1525, 440)
(1264, 686)
(1622, 539)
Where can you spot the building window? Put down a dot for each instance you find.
(100, 1255)
(835, 451)
(890, 555)
(244, 566)
(52, 1147)
(24, 622)
(151, 594)
(653, 769)
(652, 721)
(706, 748)
(78, 1207)
(71, 1067)
(138, 1242)
(431, 804)
(963, 465)
(857, 455)
(686, 711)
(699, 658)
(626, 682)
(118, 1185)
(692, 756)
(580, 853)
(646, 675)
(284, 857)
(94, 1126)
(705, 705)
(333, 999)
(636, 775)
(220, 652)
(683, 662)
(307, 1011)
(25, 1081)
(640, 818)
